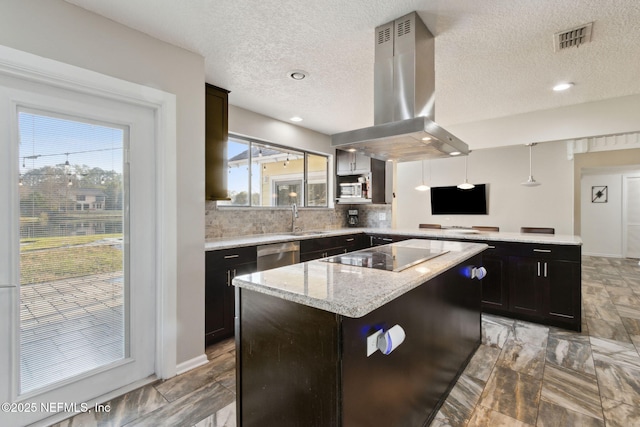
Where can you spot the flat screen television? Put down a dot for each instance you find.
(454, 201)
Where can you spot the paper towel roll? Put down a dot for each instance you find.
(391, 339)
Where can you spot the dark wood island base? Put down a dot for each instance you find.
(304, 366)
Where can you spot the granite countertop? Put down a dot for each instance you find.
(350, 290)
(457, 233)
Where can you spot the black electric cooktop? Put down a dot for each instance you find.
(390, 258)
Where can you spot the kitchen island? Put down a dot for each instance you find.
(306, 339)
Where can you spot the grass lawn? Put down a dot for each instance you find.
(37, 243)
(56, 258)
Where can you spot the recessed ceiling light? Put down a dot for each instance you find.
(296, 119)
(455, 153)
(426, 138)
(351, 150)
(297, 74)
(562, 86)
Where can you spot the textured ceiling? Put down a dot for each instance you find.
(494, 58)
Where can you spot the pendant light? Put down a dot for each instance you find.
(423, 186)
(530, 182)
(466, 185)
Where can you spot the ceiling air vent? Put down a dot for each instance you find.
(573, 37)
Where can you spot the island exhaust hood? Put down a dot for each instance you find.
(404, 101)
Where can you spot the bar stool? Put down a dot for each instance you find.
(485, 228)
(538, 230)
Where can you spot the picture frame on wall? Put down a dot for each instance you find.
(599, 194)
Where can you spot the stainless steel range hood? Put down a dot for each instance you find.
(404, 102)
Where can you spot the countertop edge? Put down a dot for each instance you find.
(507, 237)
(365, 307)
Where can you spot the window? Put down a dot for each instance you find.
(269, 175)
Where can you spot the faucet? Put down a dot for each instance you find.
(294, 215)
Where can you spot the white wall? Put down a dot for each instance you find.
(605, 117)
(248, 123)
(63, 32)
(511, 205)
(601, 223)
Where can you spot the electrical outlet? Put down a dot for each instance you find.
(372, 342)
(382, 216)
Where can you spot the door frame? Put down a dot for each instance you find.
(57, 74)
(625, 206)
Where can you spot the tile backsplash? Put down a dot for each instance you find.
(234, 222)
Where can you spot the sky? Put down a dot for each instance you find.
(50, 138)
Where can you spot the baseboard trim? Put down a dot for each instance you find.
(602, 255)
(190, 364)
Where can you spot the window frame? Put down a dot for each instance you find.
(305, 173)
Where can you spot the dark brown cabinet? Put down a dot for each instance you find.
(352, 163)
(534, 282)
(303, 366)
(545, 288)
(220, 269)
(495, 289)
(216, 135)
(311, 249)
(385, 239)
(526, 286)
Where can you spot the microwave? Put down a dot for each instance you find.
(350, 189)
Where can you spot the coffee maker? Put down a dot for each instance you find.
(353, 217)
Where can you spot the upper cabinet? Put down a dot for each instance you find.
(352, 163)
(216, 135)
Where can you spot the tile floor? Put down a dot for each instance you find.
(523, 374)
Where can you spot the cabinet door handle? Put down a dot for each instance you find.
(538, 268)
(491, 247)
(545, 269)
(351, 239)
(345, 251)
(231, 256)
(228, 277)
(547, 251)
(387, 240)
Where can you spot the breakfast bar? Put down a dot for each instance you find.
(376, 337)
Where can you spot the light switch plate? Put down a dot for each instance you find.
(382, 216)
(372, 342)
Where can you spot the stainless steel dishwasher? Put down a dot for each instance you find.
(278, 255)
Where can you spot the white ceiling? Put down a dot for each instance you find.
(494, 58)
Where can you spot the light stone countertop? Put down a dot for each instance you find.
(458, 234)
(350, 290)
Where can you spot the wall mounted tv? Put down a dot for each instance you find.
(454, 201)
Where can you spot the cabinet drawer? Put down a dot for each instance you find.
(313, 245)
(231, 256)
(385, 239)
(555, 252)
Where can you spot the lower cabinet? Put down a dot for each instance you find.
(311, 249)
(542, 287)
(495, 286)
(385, 239)
(535, 282)
(220, 269)
(548, 289)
